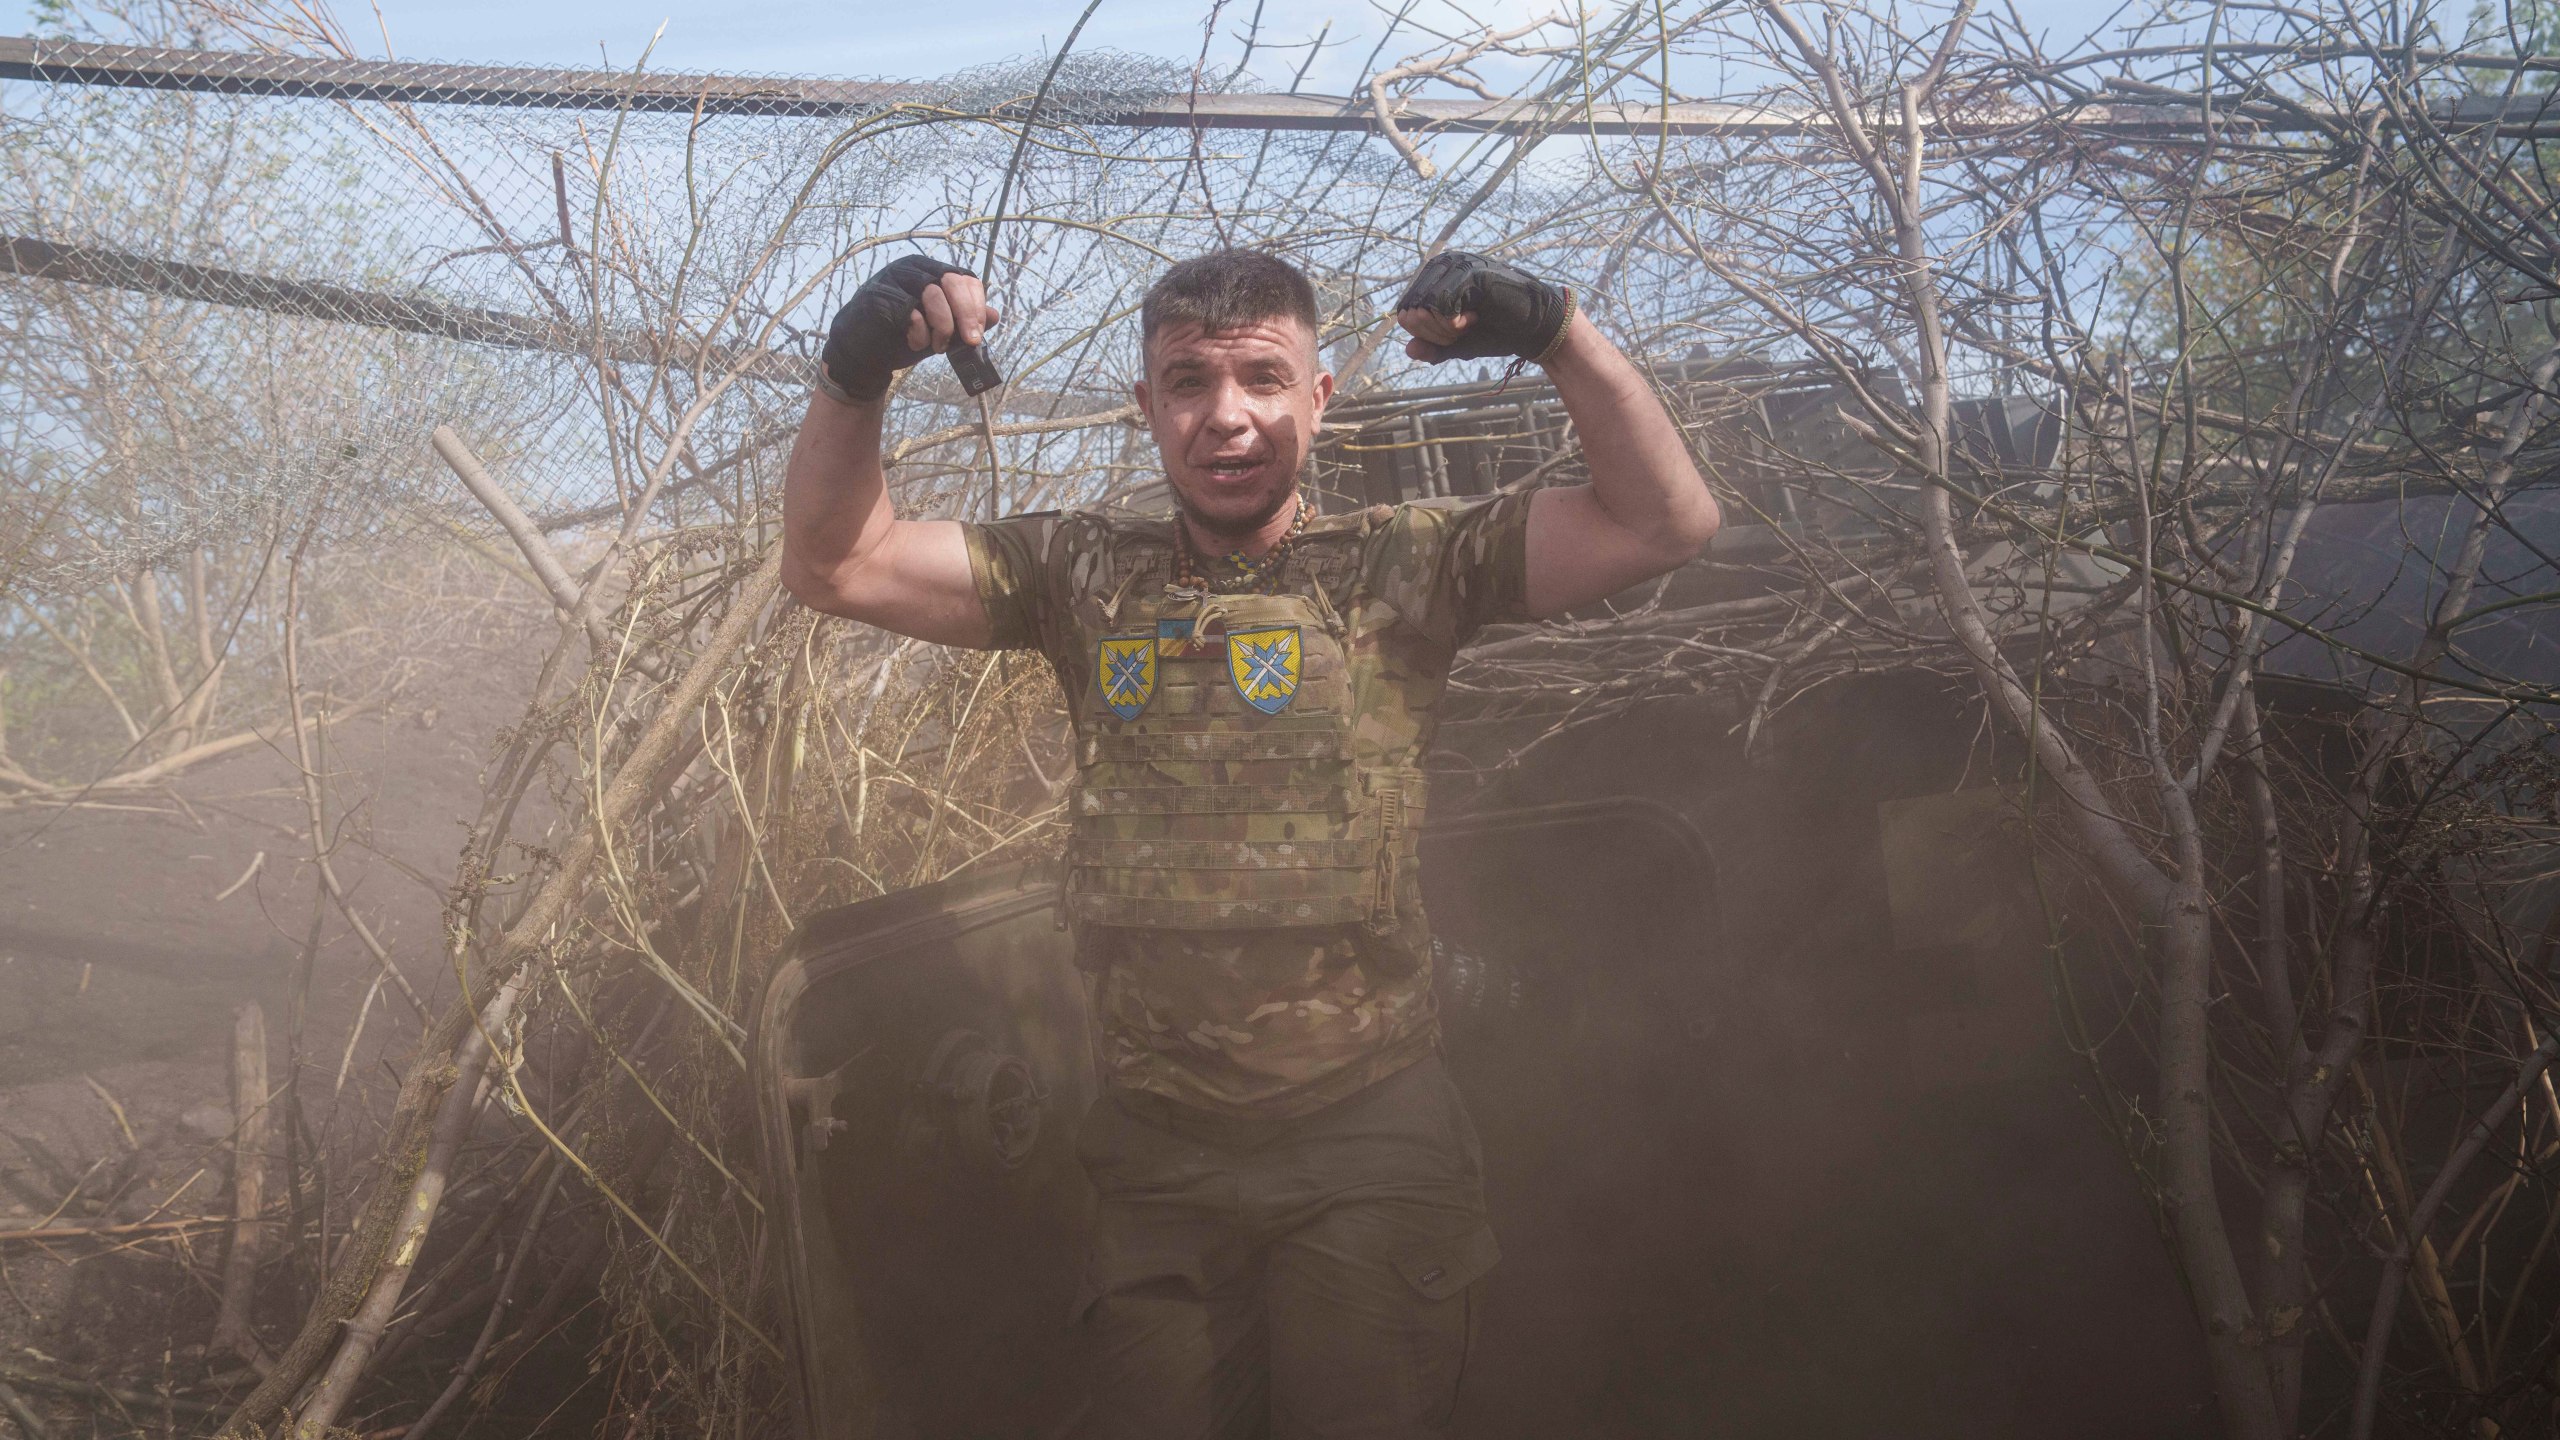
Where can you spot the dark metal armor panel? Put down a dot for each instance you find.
(922, 1061)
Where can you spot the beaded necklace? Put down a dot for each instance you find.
(1248, 574)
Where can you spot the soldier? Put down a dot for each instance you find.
(1291, 1223)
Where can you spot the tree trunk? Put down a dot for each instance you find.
(2234, 1341)
(174, 734)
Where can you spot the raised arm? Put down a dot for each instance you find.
(1646, 510)
(844, 549)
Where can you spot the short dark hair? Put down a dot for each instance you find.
(1227, 290)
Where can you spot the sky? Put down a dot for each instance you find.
(873, 40)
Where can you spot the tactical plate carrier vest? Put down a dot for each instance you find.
(1222, 782)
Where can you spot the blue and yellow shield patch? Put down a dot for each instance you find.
(1125, 667)
(1264, 665)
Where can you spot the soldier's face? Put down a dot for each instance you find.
(1234, 414)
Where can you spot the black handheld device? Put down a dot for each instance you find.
(977, 373)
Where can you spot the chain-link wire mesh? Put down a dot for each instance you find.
(239, 308)
(240, 315)
(248, 282)
(242, 286)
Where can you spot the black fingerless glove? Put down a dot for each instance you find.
(867, 343)
(1516, 313)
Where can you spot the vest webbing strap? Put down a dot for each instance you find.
(1225, 855)
(1315, 744)
(1218, 914)
(1213, 800)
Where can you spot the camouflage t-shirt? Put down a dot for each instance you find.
(1284, 1021)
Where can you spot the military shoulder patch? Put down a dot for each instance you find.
(1125, 667)
(1264, 664)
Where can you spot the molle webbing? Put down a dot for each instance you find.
(1227, 854)
(1096, 909)
(1198, 810)
(1215, 800)
(1325, 743)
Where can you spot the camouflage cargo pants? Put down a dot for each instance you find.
(1291, 1279)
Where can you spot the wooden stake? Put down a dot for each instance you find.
(248, 1183)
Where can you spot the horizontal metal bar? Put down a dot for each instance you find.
(122, 270)
(417, 315)
(246, 73)
(233, 72)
